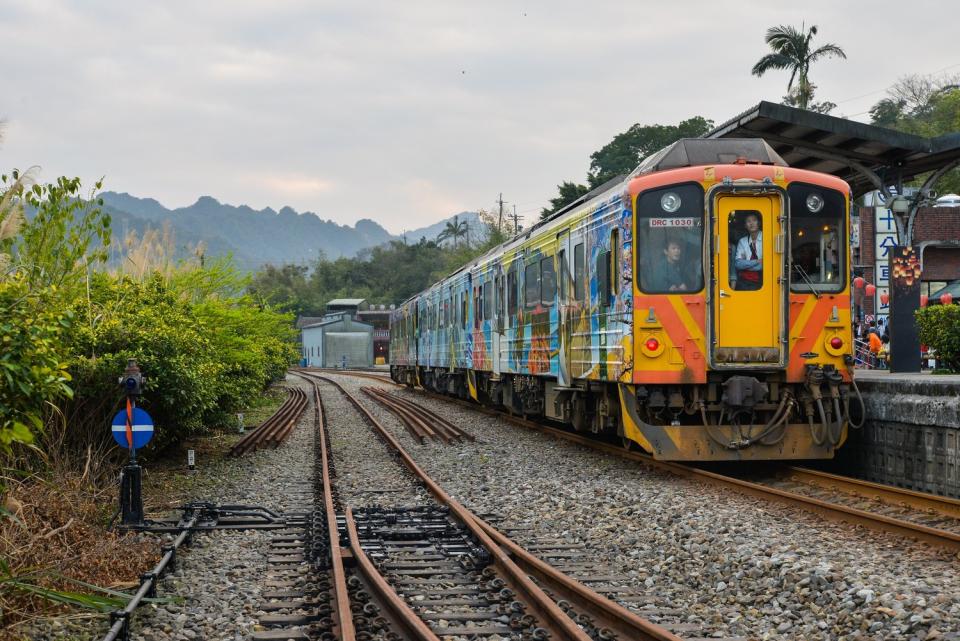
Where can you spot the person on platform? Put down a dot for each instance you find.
(875, 343)
(883, 356)
(668, 274)
(748, 258)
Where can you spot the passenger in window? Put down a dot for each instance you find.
(748, 258)
(668, 275)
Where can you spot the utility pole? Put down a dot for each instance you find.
(516, 226)
(500, 217)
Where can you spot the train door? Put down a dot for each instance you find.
(564, 313)
(749, 297)
(498, 316)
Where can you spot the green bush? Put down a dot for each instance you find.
(939, 329)
(206, 348)
(202, 361)
(31, 372)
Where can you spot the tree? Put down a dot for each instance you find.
(622, 154)
(924, 106)
(912, 101)
(792, 51)
(569, 192)
(455, 229)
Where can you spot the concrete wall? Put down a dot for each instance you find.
(912, 434)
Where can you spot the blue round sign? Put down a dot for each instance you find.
(142, 428)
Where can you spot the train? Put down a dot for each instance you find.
(697, 309)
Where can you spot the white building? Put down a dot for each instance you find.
(337, 340)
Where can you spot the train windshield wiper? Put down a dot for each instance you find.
(805, 277)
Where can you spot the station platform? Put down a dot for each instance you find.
(911, 436)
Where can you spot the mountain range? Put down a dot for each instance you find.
(258, 237)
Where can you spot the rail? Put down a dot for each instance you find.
(879, 522)
(516, 567)
(341, 597)
(419, 421)
(275, 429)
(120, 619)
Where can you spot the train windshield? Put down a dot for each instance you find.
(817, 237)
(670, 240)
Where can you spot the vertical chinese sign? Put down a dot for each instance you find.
(886, 241)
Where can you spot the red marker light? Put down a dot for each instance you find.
(652, 344)
(836, 342)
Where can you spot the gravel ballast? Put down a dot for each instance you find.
(743, 566)
(737, 565)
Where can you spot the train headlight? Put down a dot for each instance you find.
(814, 203)
(670, 201)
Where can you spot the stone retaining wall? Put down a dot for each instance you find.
(911, 438)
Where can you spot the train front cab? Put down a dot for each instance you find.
(749, 359)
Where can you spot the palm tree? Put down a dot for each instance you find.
(791, 50)
(454, 230)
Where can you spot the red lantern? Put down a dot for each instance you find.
(946, 299)
(859, 282)
(871, 289)
(924, 299)
(884, 298)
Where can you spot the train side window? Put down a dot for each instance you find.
(614, 261)
(478, 305)
(512, 291)
(531, 285)
(488, 300)
(578, 288)
(548, 281)
(602, 271)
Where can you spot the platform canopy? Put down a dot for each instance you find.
(866, 156)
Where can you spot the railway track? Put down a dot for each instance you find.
(924, 517)
(439, 571)
(929, 510)
(275, 429)
(420, 422)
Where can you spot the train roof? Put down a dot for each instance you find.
(687, 152)
(693, 152)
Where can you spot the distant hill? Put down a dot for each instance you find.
(259, 237)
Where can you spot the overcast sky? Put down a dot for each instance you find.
(405, 112)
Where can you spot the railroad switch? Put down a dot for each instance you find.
(210, 516)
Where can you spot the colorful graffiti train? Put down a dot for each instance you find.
(698, 309)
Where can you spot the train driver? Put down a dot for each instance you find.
(748, 257)
(668, 275)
